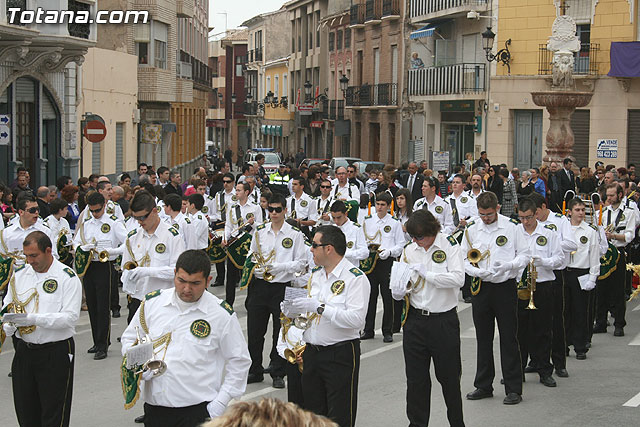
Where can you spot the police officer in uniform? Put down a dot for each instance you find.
(50, 294)
(356, 242)
(435, 204)
(276, 248)
(432, 328)
(100, 233)
(223, 200)
(504, 253)
(279, 181)
(199, 338)
(336, 307)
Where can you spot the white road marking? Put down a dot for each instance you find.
(635, 340)
(636, 308)
(634, 402)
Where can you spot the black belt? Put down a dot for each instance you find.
(428, 313)
(273, 283)
(332, 346)
(578, 270)
(32, 346)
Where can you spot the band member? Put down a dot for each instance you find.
(356, 243)
(535, 303)
(241, 219)
(224, 199)
(561, 226)
(42, 367)
(111, 208)
(385, 239)
(275, 249)
(343, 190)
(300, 206)
(175, 218)
(502, 254)
(99, 239)
(432, 328)
(620, 226)
(435, 204)
(323, 203)
(580, 279)
(150, 252)
(337, 305)
(199, 339)
(197, 233)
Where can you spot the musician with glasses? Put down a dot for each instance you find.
(300, 206)
(323, 204)
(356, 243)
(97, 243)
(503, 253)
(200, 341)
(435, 204)
(276, 255)
(535, 324)
(49, 295)
(223, 200)
(432, 328)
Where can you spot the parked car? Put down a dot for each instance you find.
(271, 158)
(314, 161)
(362, 166)
(336, 162)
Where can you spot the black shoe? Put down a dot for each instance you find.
(139, 420)
(512, 399)
(366, 335)
(268, 369)
(467, 300)
(581, 356)
(530, 369)
(562, 373)
(619, 332)
(100, 355)
(92, 350)
(478, 394)
(548, 381)
(115, 314)
(388, 338)
(216, 284)
(278, 382)
(255, 378)
(599, 329)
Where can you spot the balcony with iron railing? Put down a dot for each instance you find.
(356, 15)
(584, 62)
(390, 9)
(456, 79)
(333, 109)
(255, 55)
(373, 11)
(380, 95)
(184, 70)
(421, 10)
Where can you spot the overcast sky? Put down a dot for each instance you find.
(238, 11)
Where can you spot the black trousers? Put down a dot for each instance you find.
(188, 416)
(42, 378)
(97, 288)
(220, 273)
(233, 278)
(466, 288)
(397, 316)
(579, 316)
(294, 384)
(133, 305)
(379, 281)
(425, 338)
(263, 301)
(330, 381)
(611, 297)
(115, 295)
(535, 329)
(559, 335)
(497, 302)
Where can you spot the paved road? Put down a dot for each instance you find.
(602, 390)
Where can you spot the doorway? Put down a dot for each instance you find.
(528, 139)
(457, 139)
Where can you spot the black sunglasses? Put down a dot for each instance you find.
(226, 181)
(33, 210)
(96, 210)
(416, 237)
(277, 209)
(325, 186)
(143, 217)
(315, 245)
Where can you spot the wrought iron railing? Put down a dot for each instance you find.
(384, 94)
(447, 80)
(585, 62)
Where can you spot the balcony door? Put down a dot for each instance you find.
(528, 138)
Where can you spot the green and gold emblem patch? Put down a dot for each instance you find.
(501, 240)
(387, 228)
(287, 242)
(105, 228)
(622, 217)
(463, 200)
(349, 245)
(303, 203)
(50, 286)
(249, 216)
(205, 209)
(439, 256)
(161, 248)
(337, 287)
(439, 209)
(541, 241)
(234, 198)
(584, 240)
(200, 328)
(159, 208)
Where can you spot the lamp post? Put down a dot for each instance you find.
(503, 55)
(344, 85)
(307, 91)
(233, 104)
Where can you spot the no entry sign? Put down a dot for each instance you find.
(95, 131)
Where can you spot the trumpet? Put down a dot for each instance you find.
(157, 367)
(527, 293)
(103, 256)
(475, 256)
(292, 354)
(130, 265)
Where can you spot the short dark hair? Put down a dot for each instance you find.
(487, 200)
(575, 202)
(95, 198)
(194, 261)
(124, 176)
(383, 197)
(41, 239)
(57, 205)
(338, 206)
(93, 176)
(173, 173)
(422, 223)
(141, 164)
(259, 157)
(102, 184)
(197, 200)
(301, 180)
(62, 181)
(459, 176)
(147, 186)
(538, 199)
(527, 204)
(483, 152)
(158, 192)
(82, 180)
(21, 169)
(431, 181)
(566, 161)
(143, 201)
(229, 175)
(617, 186)
(332, 235)
(162, 169)
(173, 201)
(245, 185)
(23, 199)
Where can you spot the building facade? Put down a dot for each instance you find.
(234, 99)
(216, 123)
(277, 123)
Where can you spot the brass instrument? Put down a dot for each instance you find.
(595, 201)
(292, 355)
(475, 256)
(636, 271)
(103, 256)
(17, 306)
(527, 293)
(130, 265)
(156, 366)
(261, 261)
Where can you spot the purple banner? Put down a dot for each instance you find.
(625, 59)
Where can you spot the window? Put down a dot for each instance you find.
(284, 84)
(267, 86)
(238, 66)
(276, 86)
(142, 38)
(347, 38)
(317, 28)
(332, 38)
(160, 36)
(339, 41)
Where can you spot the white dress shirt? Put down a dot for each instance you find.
(561, 225)
(107, 232)
(624, 221)
(440, 209)
(303, 206)
(588, 253)
(346, 192)
(197, 231)
(386, 232)
(12, 238)
(287, 246)
(544, 243)
(247, 211)
(322, 206)
(357, 249)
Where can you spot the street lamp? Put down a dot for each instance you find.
(233, 98)
(344, 85)
(269, 98)
(503, 55)
(307, 91)
(249, 97)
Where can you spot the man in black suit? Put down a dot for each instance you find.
(555, 193)
(413, 181)
(567, 177)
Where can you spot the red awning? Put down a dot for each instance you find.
(317, 124)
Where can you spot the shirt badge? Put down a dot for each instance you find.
(501, 240)
(205, 209)
(200, 328)
(387, 228)
(463, 200)
(249, 215)
(161, 248)
(105, 228)
(50, 286)
(287, 242)
(439, 209)
(349, 245)
(337, 287)
(304, 203)
(583, 240)
(541, 241)
(439, 256)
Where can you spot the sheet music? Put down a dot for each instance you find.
(400, 274)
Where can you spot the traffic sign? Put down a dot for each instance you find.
(5, 134)
(94, 131)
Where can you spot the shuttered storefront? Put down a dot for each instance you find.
(119, 147)
(633, 137)
(580, 121)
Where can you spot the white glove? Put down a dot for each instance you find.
(147, 375)
(477, 272)
(502, 266)
(285, 308)
(88, 247)
(259, 270)
(215, 408)
(591, 284)
(305, 305)
(398, 292)
(9, 329)
(139, 273)
(277, 268)
(540, 262)
(28, 320)
(384, 254)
